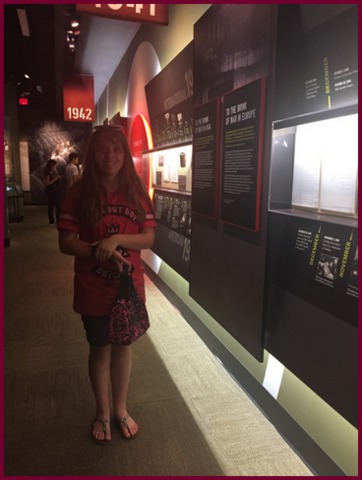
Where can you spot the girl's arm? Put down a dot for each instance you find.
(70, 244)
(47, 180)
(137, 241)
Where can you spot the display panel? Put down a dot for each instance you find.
(206, 159)
(173, 239)
(317, 261)
(233, 47)
(311, 305)
(170, 101)
(318, 69)
(242, 155)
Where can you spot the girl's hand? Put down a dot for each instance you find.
(105, 249)
(120, 260)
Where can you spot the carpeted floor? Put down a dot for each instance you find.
(194, 419)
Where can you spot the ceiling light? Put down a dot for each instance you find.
(74, 23)
(26, 75)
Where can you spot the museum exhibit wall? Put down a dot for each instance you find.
(40, 138)
(233, 283)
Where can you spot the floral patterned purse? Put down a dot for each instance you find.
(129, 318)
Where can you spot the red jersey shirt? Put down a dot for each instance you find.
(95, 284)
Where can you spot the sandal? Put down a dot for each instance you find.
(123, 422)
(105, 423)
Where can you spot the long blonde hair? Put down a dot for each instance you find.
(89, 187)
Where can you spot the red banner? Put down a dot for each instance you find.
(78, 98)
(136, 12)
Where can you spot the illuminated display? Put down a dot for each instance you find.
(78, 98)
(139, 12)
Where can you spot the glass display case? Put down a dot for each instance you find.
(171, 167)
(314, 167)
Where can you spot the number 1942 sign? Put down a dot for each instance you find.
(78, 98)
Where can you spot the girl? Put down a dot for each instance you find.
(107, 219)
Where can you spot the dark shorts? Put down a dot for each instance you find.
(96, 329)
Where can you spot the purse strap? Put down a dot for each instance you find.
(125, 283)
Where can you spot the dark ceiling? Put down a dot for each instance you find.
(45, 55)
(32, 55)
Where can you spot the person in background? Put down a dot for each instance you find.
(51, 179)
(72, 170)
(107, 219)
(58, 157)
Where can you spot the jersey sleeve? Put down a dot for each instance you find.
(149, 221)
(68, 219)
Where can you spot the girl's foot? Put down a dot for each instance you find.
(101, 431)
(127, 426)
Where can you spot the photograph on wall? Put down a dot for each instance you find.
(241, 157)
(170, 101)
(205, 178)
(173, 166)
(182, 182)
(173, 211)
(160, 160)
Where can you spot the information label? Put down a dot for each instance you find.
(205, 159)
(242, 155)
(318, 262)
